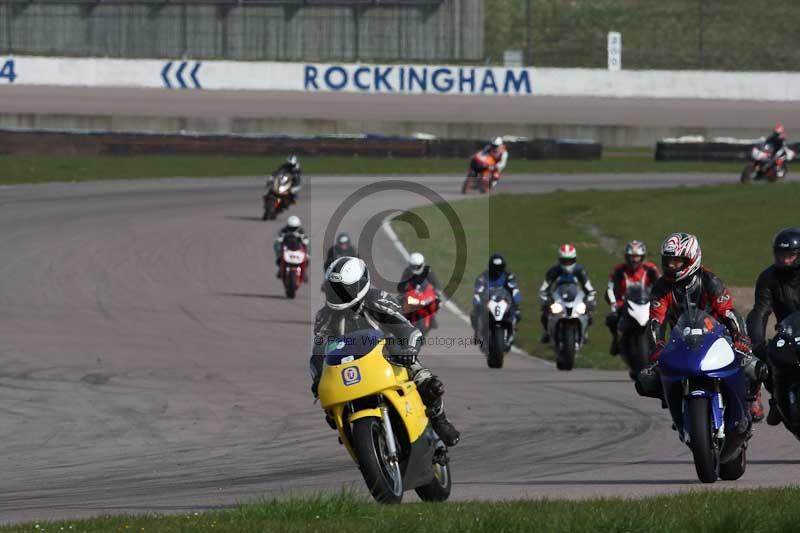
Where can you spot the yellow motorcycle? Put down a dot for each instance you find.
(381, 420)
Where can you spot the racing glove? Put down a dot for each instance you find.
(742, 343)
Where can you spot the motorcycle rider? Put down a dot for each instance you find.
(352, 304)
(635, 270)
(292, 168)
(567, 265)
(775, 142)
(777, 291)
(495, 276)
(497, 149)
(685, 276)
(418, 271)
(293, 230)
(342, 248)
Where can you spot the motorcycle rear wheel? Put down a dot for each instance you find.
(565, 358)
(735, 468)
(466, 187)
(701, 440)
(382, 475)
(437, 490)
(496, 348)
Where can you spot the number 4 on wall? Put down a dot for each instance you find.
(8, 72)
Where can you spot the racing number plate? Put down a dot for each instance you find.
(351, 375)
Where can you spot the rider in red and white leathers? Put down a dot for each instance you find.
(685, 278)
(634, 271)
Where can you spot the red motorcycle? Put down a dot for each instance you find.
(766, 165)
(481, 174)
(420, 303)
(293, 266)
(278, 197)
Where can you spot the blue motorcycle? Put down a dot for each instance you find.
(705, 389)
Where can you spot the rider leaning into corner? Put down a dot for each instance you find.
(292, 230)
(497, 149)
(634, 271)
(777, 291)
(567, 266)
(352, 304)
(493, 277)
(685, 276)
(292, 168)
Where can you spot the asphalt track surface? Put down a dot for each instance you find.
(684, 113)
(150, 362)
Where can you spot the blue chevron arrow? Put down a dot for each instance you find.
(194, 75)
(164, 73)
(179, 75)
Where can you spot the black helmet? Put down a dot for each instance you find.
(346, 282)
(497, 266)
(786, 247)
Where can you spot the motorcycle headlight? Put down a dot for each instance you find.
(718, 356)
(556, 308)
(580, 308)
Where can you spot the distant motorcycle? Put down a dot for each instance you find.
(278, 197)
(783, 353)
(567, 321)
(420, 304)
(705, 389)
(495, 325)
(293, 265)
(635, 342)
(480, 174)
(767, 165)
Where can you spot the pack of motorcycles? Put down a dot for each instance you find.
(383, 424)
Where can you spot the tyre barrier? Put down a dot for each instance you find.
(698, 149)
(67, 142)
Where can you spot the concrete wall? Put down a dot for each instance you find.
(451, 30)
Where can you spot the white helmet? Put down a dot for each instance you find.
(293, 222)
(497, 141)
(417, 263)
(292, 160)
(346, 283)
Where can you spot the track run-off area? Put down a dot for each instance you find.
(150, 362)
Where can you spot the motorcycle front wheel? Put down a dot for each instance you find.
(496, 348)
(381, 474)
(636, 348)
(747, 173)
(565, 347)
(290, 285)
(701, 439)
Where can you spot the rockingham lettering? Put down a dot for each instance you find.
(417, 79)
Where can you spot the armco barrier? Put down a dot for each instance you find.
(669, 150)
(49, 142)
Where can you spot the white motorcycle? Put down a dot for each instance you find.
(567, 321)
(495, 325)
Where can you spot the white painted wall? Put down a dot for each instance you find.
(97, 72)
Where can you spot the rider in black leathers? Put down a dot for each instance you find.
(351, 304)
(292, 168)
(777, 291)
(343, 248)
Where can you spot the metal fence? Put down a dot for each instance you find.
(656, 34)
(281, 30)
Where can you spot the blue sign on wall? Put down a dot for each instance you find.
(8, 71)
(178, 75)
(416, 79)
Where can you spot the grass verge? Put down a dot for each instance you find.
(708, 511)
(24, 169)
(735, 225)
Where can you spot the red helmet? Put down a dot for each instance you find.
(567, 255)
(680, 256)
(779, 131)
(635, 249)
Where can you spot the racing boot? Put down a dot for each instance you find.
(614, 348)
(444, 428)
(774, 417)
(757, 408)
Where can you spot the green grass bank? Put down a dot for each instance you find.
(735, 225)
(22, 169)
(772, 510)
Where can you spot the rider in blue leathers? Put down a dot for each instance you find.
(495, 276)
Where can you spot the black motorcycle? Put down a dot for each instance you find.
(635, 342)
(783, 353)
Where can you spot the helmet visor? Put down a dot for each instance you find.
(786, 258)
(635, 260)
(567, 261)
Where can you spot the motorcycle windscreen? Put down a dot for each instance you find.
(566, 292)
(350, 347)
(697, 345)
(638, 294)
